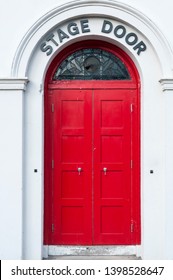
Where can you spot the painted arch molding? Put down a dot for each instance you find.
(86, 8)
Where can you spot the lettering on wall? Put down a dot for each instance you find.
(54, 39)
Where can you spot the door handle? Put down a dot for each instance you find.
(104, 170)
(79, 170)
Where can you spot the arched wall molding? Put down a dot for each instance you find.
(124, 13)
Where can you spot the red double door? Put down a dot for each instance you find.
(94, 151)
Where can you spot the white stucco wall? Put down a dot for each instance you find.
(21, 122)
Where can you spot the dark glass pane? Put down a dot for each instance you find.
(92, 64)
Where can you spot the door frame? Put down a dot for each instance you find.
(133, 84)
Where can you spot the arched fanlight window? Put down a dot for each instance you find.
(91, 64)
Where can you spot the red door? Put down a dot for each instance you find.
(112, 166)
(72, 144)
(94, 157)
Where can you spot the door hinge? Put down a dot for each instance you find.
(52, 108)
(52, 163)
(131, 108)
(132, 226)
(52, 227)
(131, 163)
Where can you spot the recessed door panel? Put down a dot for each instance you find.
(68, 224)
(113, 143)
(112, 185)
(110, 226)
(72, 148)
(72, 115)
(111, 113)
(67, 191)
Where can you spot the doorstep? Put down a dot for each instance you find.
(91, 252)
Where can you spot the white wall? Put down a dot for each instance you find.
(11, 166)
(21, 124)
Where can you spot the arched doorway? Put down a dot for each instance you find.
(92, 147)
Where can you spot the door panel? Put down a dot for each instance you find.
(72, 205)
(112, 180)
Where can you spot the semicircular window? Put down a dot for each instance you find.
(91, 64)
